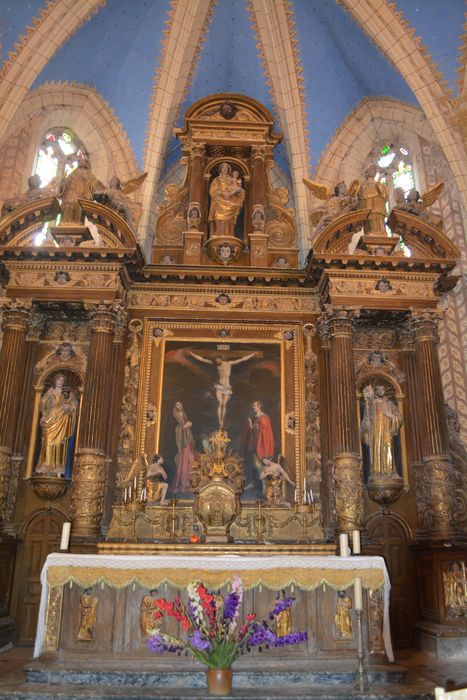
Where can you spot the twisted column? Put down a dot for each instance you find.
(348, 472)
(16, 316)
(437, 504)
(89, 467)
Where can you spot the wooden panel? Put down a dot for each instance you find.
(42, 537)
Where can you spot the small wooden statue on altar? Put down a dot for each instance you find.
(342, 619)
(273, 476)
(87, 616)
(156, 488)
(149, 614)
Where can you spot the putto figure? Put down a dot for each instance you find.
(116, 197)
(381, 422)
(335, 202)
(227, 195)
(34, 191)
(59, 409)
(417, 204)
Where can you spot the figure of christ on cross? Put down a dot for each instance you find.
(222, 386)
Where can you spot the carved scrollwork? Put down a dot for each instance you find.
(172, 220)
(280, 220)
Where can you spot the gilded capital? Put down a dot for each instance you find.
(425, 324)
(107, 316)
(259, 152)
(339, 320)
(197, 150)
(16, 314)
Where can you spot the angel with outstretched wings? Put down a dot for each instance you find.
(417, 204)
(116, 197)
(335, 202)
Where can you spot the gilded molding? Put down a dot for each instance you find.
(348, 485)
(88, 492)
(53, 619)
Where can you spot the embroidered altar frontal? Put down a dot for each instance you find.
(104, 604)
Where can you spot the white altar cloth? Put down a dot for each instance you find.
(60, 569)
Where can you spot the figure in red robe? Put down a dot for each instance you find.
(259, 442)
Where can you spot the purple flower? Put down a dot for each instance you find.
(198, 641)
(293, 638)
(231, 603)
(281, 605)
(262, 635)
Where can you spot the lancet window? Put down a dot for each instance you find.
(395, 168)
(58, 155)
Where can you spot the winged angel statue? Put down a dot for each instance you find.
(116, 197)
(335, 202)
(417, 204)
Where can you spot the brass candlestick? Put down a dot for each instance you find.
(361, 679)
(302, 511)
(261, 520)
(172, 519)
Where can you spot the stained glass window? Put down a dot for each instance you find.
(58, 155)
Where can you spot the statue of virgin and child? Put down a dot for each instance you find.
(227, 196)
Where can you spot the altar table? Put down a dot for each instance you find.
(273, 572)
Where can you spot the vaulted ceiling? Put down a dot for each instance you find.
(310, 62)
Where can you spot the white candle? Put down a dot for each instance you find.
(344, 544)
(129, 493)
(304, 491)
(295, 498)
(311, 496)
(65, 540)
(358, 593)
(356, 542)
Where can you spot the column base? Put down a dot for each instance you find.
(348, 486)
(87, 499)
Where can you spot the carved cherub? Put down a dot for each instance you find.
(335, 202)
(34, 191)
(417, 204)
(115, 197)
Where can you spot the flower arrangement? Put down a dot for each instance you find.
(214, 635)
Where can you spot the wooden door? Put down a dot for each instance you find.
(390, 542)
(41, 537)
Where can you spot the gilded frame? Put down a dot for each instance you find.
(288, 337)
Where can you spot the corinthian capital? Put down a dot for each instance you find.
(197, 150)
(107, 316)
(337, 321)
(16, 314)
(425, 324)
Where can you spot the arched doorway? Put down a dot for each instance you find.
(389, 540)
(42, 536)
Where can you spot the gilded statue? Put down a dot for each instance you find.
(227, 196)
(455, 589)
(156, 480)
(34, 191)
(336, 202)
(342, 618)
(381, 422)
(283, 619)
(79, 184)
(273, 476)
(115, 197)
(374, 197)
(149, 614)
(87, 616)
(59, 409)
(417, 204)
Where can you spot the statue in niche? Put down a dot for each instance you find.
(59, 409)
(149, 614)
(342, 618)
(376, 623)
(115, 197)
(336, 202)
(374, 196)
(79, 184)
(417, 204)
(381, 422)
(227, 196)
(34, 191)
(455, 589)
(87, 616)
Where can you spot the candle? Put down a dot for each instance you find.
(311, 496)
(65, 540)
(356, 542)
(295, 498)
(129, 493)
(358, 593)
(344, 544)
(304, 491)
